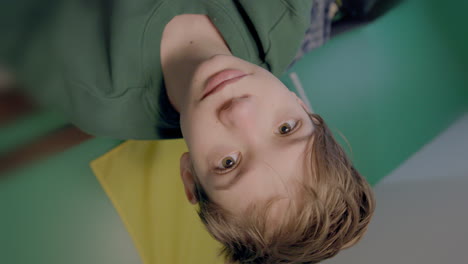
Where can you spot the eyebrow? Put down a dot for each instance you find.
(245, 168)
(301, 139)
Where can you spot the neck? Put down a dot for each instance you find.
(187, 41)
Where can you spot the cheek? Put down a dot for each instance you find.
(203, 131)
(194, 127)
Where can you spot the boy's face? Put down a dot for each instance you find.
(247, 141)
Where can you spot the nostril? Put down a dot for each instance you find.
(229, 103)
(226, 105)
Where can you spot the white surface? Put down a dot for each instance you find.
(444, 157)
(298, 85)
(422, 208)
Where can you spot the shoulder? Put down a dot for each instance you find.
(297, 8)
(280, 26)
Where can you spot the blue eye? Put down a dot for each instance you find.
(228, 162)
(287, 127)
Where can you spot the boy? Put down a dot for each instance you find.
(272, 184)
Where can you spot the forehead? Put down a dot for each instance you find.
(275, 174)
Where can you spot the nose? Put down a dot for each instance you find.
(239, 114)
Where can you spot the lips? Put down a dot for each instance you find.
(220, 80)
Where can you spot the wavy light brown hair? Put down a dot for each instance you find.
(329, 211)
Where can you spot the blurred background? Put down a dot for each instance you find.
(396, 87)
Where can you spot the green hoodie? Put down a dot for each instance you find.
(98, 61)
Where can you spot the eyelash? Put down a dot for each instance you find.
(297, 124)
(226, 170)
(219, 170)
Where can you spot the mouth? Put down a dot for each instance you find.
(220, 80)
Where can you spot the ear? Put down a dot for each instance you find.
(299, 100)
(187, 177)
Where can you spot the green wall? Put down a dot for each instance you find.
(392, 85)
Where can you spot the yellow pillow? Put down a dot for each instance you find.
(142, 180)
